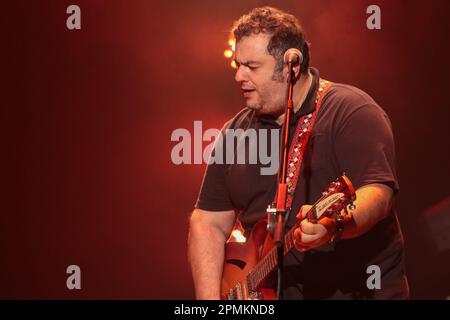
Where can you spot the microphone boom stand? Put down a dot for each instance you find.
(281, 198)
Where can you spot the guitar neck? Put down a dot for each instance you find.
(270, 262)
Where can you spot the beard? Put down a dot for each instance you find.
(264, 108)
(274, 103)
(255, 106)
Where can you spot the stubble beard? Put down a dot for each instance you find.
(260, 107)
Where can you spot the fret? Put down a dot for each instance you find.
(261, 272)
(266, 266)
(271, 261)
(287, 241)
(251, 283)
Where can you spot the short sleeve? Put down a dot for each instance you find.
(364, 147)
(214, 194)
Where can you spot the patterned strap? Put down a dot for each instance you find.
(300, 142)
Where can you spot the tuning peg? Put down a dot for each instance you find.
(352, 206)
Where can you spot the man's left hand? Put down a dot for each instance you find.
(312, 235)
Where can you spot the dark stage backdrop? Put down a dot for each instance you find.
(87, 117)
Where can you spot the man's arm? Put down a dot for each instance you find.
(208, 232)
(373, 203)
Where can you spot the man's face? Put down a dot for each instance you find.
(263, 91)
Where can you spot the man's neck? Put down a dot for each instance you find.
(301, 89)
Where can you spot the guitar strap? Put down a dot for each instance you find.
(300, 142)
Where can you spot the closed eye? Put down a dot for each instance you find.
(250, 64)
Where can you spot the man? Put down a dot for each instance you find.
(351, 134)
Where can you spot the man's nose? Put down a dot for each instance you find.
(240, 75)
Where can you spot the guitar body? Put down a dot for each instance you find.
(241, 258)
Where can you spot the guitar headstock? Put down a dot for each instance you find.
(339, 194)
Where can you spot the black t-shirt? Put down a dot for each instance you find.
(352, 134)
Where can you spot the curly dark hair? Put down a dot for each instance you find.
(285, 30)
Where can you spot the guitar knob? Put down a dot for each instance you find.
(352, 206)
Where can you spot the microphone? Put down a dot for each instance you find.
(293, 56)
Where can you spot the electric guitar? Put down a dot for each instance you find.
(248, 265)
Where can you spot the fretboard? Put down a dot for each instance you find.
(269, 262)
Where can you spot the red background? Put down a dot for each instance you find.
(87, 117)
